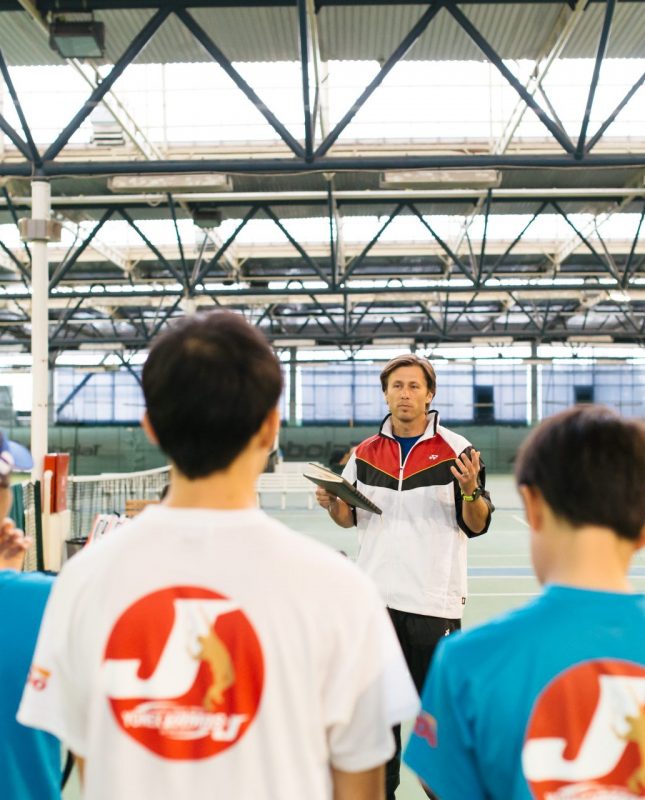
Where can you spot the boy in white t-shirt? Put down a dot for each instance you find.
(204, 649)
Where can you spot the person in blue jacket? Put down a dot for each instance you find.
(30, 760)
(548, 701)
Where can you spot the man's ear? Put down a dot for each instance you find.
(533, 507)
(640, 542)
(269, 429)
(148, 429)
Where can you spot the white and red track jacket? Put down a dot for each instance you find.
(416, 550)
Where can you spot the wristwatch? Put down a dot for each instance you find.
(470, 498)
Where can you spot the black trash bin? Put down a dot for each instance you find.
(73, 546)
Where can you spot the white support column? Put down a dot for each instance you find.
(40, 210)
(535, 376)
(293, 387)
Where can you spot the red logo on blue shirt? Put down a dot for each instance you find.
(586, 736)
(425, 728)
(183, 672)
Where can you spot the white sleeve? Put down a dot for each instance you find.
(349, 470)
(55, 698)
(369, 690)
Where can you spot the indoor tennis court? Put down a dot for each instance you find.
(499, 572)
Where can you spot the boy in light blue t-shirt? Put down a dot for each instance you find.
(30, 767)
(548, 702)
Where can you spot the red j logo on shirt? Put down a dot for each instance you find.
(586, 736)
(183, 672)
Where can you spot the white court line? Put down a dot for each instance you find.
(501, 577)
(520, 519)
(496, 555)
(504, 594)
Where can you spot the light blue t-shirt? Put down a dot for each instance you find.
(30, 760)
(544, 703)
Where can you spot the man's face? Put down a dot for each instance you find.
(407, 394)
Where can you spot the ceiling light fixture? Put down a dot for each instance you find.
(452, 178)
(209, 181)
(77, 38)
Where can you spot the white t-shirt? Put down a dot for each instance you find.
(197, 651)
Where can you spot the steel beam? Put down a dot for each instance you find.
(332, 211)
(556, 131)
(61, 6)
(203, 272)
(132, 130)
(307, 258)
(184, 267)
(229, 259)
(610, 119)
(341, 197)
(482, 252)
(131, 52)
(602, 47)
(15, 137)
(99, 245)
(89, 71)
(69, 313)
(23, 272)
(304, 64)
(248, 294)
(609, 267)
(327, 314)
(14, 217)
(396, 56)
(323, 337)
(129, 368)
(150, 245)
(157, 328)
(460, 314)
(282, 166)
(515, 241)
(35, 155)
(353, 266)
(215, 53)
(66, 265)
(86, 379)
(562, 32)
(628, 265)
(444, 246)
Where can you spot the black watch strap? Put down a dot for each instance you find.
(470, 498)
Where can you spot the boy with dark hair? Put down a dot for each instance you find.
(548, 702)
(204, 649)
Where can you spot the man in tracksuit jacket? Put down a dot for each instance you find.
(429, 483)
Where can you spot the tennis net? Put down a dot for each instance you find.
(87, 496)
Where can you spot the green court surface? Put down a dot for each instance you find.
(499, 572)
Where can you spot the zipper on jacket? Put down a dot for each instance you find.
(401, 468)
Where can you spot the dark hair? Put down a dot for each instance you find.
(410, 360)
(589, 465)
(209, 383)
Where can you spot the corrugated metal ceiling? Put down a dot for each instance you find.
(346, 33)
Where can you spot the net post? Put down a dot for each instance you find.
(38, 521)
